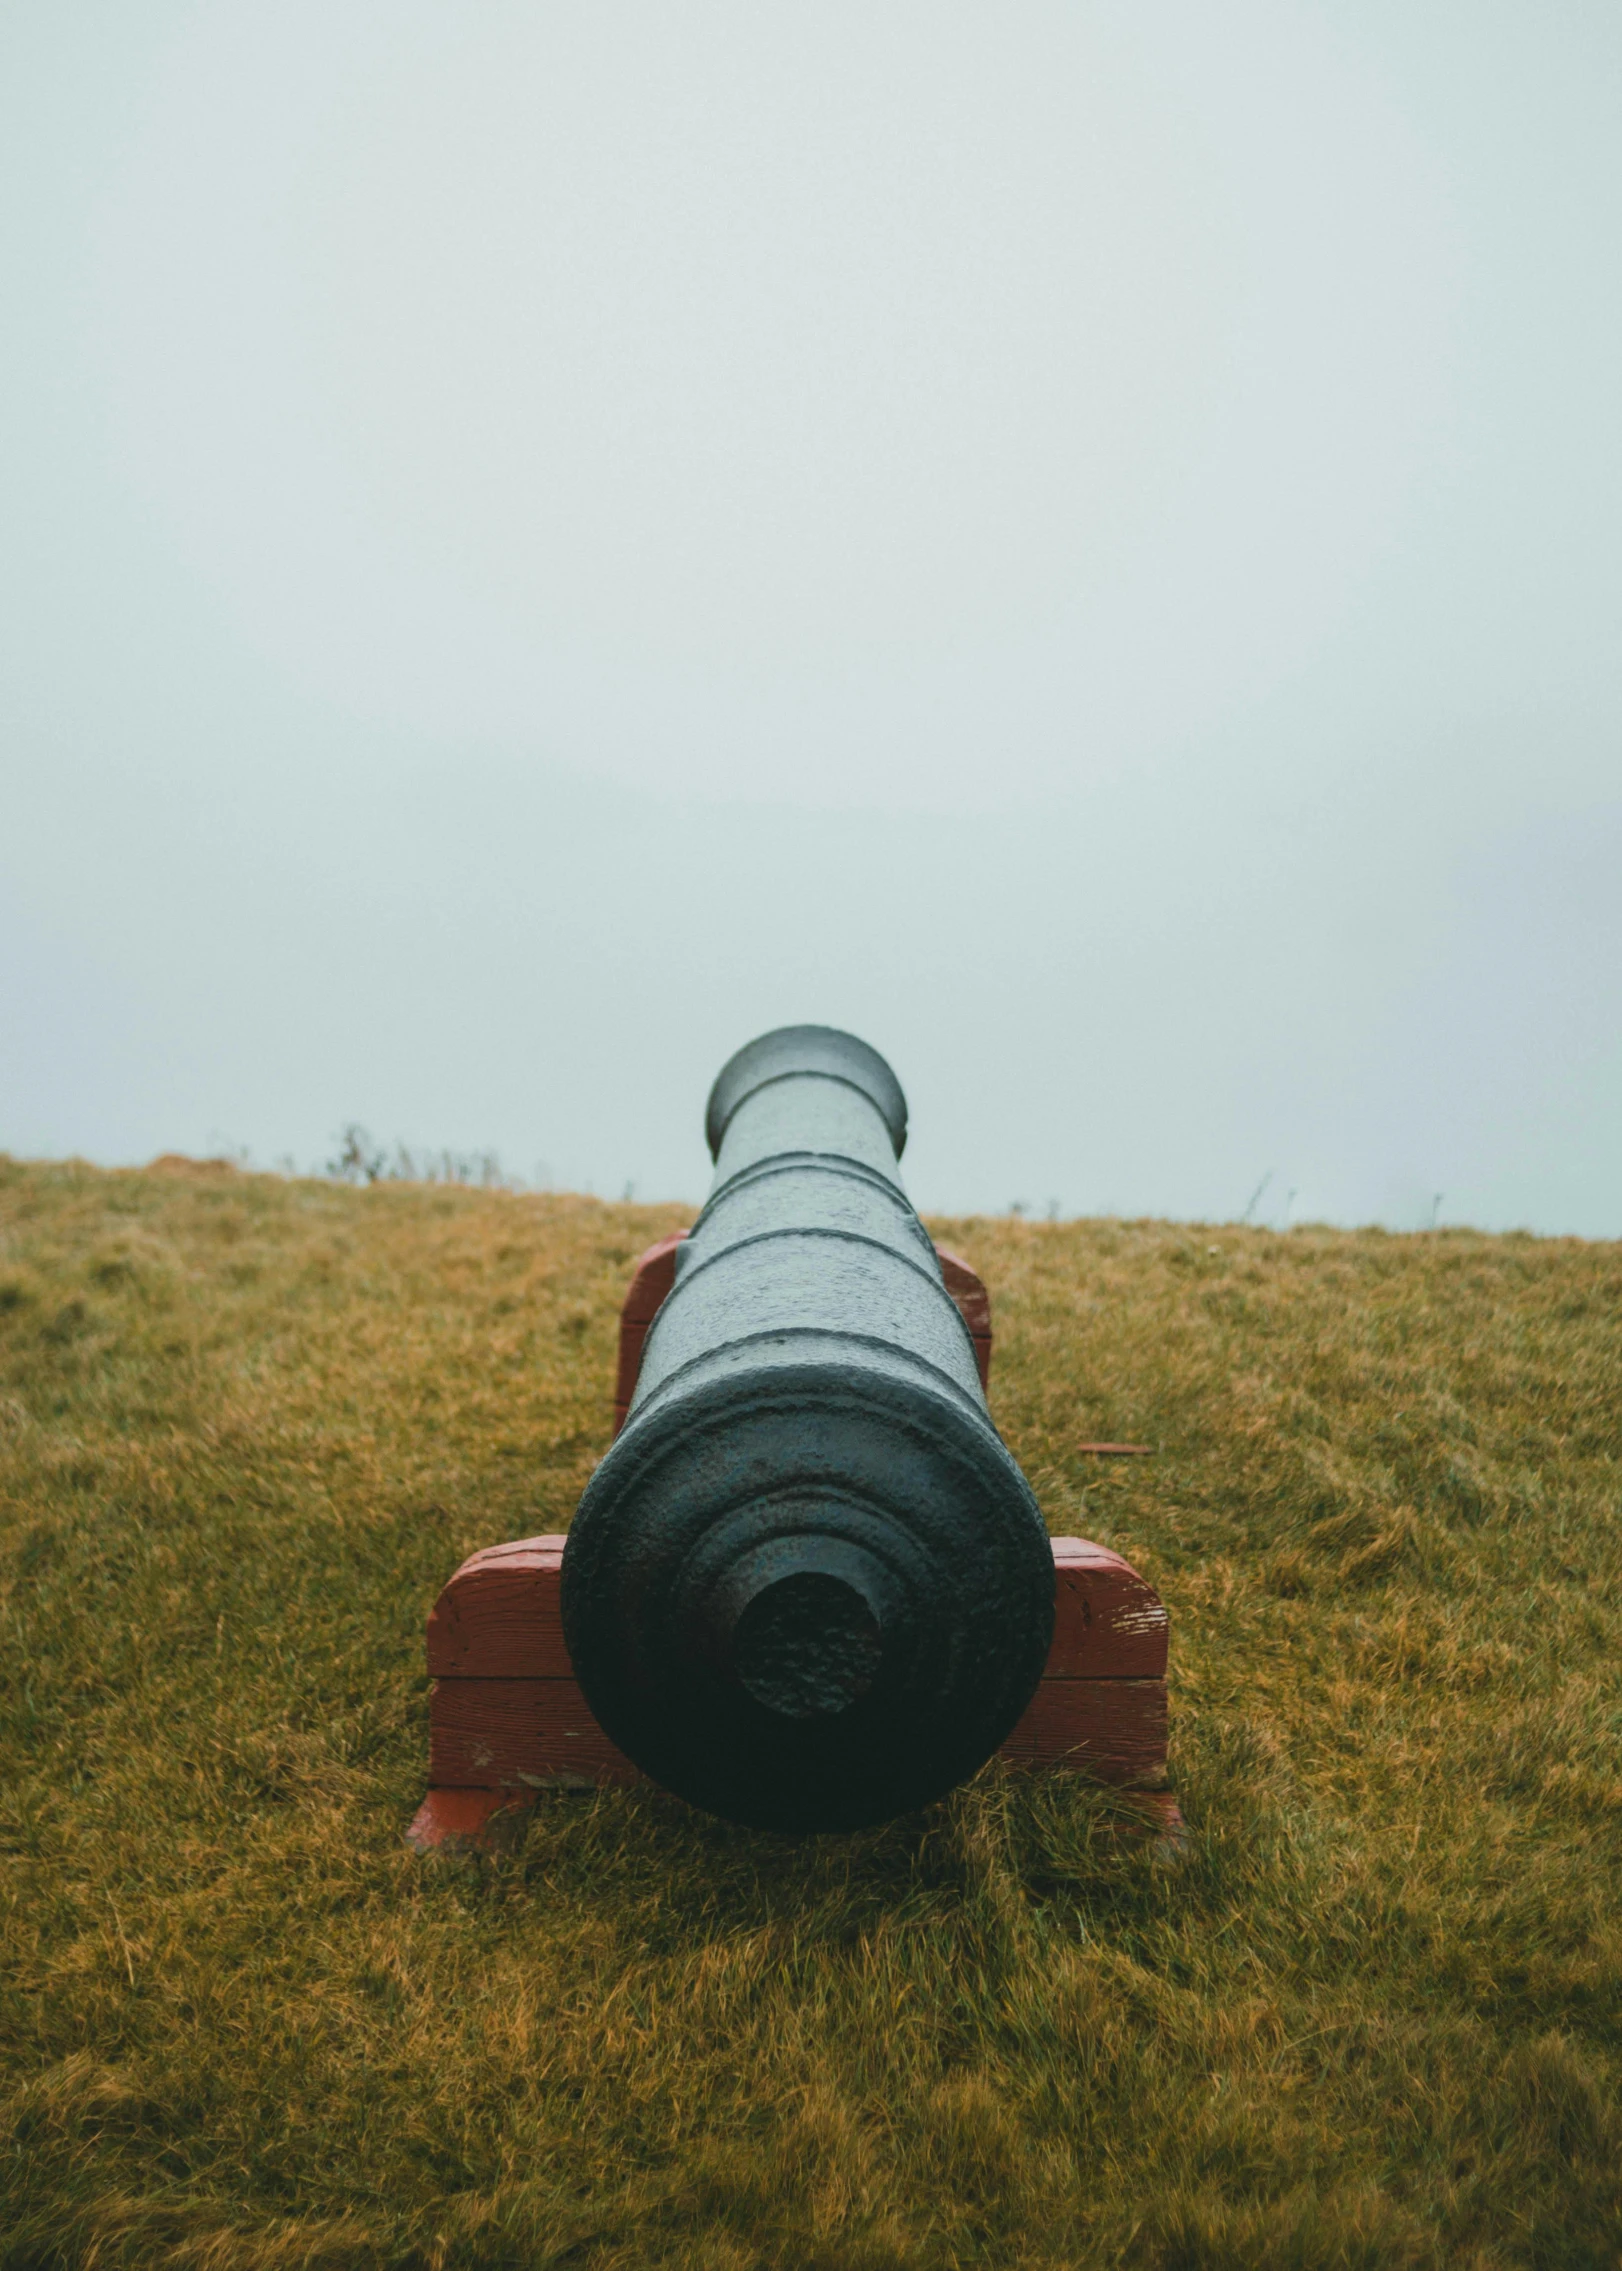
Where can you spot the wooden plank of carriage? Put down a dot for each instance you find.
(507, 1718)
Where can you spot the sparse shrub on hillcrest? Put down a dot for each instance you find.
(361, 1159)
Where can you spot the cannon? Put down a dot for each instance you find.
(808, 1587)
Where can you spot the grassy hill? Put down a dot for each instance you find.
(248, 1426)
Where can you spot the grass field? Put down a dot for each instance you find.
(248, 1426)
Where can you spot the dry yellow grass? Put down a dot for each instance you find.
(247, 1427)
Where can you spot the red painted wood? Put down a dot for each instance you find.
(458, 1817)
(1162, 1815)
(1108, 1622)
(651, 1280)
(505, 1713)
(968, 1290)
(518, 1734)
(498, 1618)
(451, 1818)
(1113, 1730)
(539, 1734)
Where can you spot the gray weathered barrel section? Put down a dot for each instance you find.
(808, 1588)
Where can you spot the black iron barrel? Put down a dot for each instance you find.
(808, 1588)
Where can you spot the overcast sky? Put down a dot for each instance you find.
(1080, 541)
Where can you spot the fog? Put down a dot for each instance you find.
(1079, 541)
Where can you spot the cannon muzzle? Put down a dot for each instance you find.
(808, 1588)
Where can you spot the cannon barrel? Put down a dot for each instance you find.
(808, 1587)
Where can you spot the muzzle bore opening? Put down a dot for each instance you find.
(808, 1645)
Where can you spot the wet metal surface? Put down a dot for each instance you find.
(808, 1587)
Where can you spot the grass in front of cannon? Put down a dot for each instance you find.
(1375, 2018)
